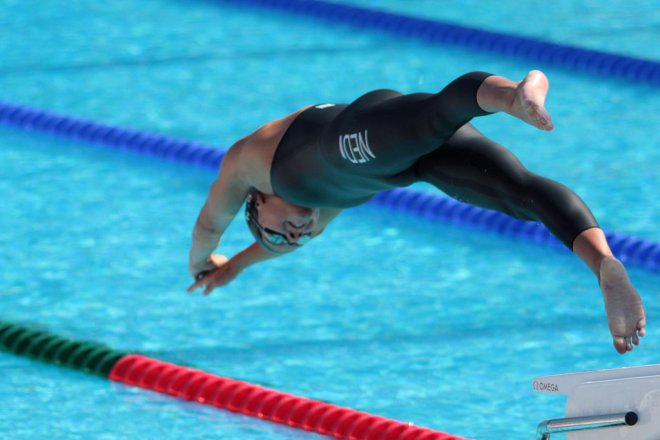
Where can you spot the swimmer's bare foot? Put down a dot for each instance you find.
(625, 312)
(529, 101)
(524, 100)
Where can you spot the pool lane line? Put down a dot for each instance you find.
(46, 347)
(640, 252)
(442, 32)
(209, 389)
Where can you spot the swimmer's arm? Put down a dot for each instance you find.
(225, 198)
(250, 255)
(228, 269)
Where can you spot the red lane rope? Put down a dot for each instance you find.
(264, 403)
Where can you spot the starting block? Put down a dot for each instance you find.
(614, 404)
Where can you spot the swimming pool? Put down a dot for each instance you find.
(406, 331)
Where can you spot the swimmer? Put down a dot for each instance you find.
(299, 172)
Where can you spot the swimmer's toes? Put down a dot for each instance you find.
(641, 326)
(620, 344)
(537, 115)
(545, 119)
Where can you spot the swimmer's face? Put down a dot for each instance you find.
(280, 226)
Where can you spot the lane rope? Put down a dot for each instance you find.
(640, 252)
(209, 389)
(442, 32)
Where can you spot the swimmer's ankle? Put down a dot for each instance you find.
(592, 248)
(497, 94)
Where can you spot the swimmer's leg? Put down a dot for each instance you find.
(525, 100)
(402, 128)
(476, 170)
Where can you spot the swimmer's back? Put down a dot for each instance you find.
(298, 172)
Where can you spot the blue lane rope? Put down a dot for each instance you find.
(30, 119)
(441, 32)
(632, 250)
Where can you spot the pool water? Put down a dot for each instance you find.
(386, 313)
(615, 27)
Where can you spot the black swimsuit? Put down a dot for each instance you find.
(342, 155)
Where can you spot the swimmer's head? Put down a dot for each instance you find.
(277, 225)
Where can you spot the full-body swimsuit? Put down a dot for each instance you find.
(340, 156)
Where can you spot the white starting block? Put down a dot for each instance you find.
(616, 404)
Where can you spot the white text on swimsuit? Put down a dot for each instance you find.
(354, 147)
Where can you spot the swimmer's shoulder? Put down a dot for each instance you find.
(253, 154)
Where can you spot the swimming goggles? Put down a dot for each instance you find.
(273, 237)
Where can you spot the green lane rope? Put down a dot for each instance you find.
(43, 346)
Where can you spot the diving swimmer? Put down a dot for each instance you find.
(297, 173)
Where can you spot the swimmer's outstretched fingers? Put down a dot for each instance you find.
(225, 271)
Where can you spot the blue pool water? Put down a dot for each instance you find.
(433, 324)
(615, 27)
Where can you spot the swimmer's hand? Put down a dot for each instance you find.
(211, 262)
(221, 272)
